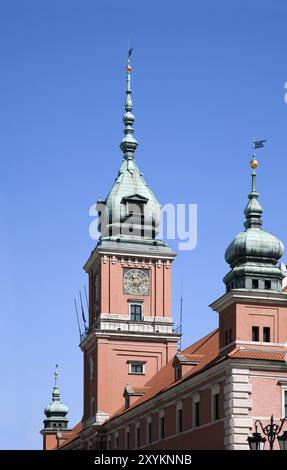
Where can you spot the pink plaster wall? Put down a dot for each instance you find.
(241, 317)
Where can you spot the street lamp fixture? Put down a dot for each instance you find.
(256, 441)
(271, 431)
(283, 441)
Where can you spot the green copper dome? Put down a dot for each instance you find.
(254, 253)
(56, 408)
(254, 245)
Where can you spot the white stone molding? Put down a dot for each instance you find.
(237, 403)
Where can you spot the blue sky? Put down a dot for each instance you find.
(208, 79)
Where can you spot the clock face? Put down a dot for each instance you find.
(136, 281)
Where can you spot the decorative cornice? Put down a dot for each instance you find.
(252, 297)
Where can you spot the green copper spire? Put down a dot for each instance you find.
(130, 213)
(253, 210)
(128, 144)
(56, 392)
(254, 253)
(56, 411)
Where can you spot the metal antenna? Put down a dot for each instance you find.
(86, 297)
(76, 308)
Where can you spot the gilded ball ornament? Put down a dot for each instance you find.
(128, 68)
(254, 164)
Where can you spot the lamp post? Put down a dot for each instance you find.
(271, 431)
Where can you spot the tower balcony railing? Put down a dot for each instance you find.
(153, 326)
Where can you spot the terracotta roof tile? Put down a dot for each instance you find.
(207, 348)
(193, 357)
(142, 390)
(259, 354)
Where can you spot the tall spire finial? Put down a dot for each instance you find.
(56, 392)
(56, 373)
(129, 143)
(253, 210)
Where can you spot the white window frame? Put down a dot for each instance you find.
(142, 310)
(179, 407)
(215, 390)
(137, 363)
(148, 422)
(195, 399)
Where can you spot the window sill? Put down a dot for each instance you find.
(136, 373)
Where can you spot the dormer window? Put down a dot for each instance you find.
(135, 209)
(135, 205)
(177, 372)
(267, 284)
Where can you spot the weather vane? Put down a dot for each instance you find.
(257, 144)
(128, 67)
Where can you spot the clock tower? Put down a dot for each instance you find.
(130, 335)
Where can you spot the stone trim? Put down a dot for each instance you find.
(250, 297)
(237, 403)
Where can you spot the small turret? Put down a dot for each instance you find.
(253, 254)
(56, 411)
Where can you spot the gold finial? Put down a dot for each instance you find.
(128, 68)
(254, 163)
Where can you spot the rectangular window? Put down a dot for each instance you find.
(127, 440)
(196, 413)
(136, 312)
(226, 338)
(266, 334)
(285, 403)
(179, 420)
(215, 406)
(138, 436)
(255, 333)
(267, 284)
(149, 432)
(178, 373)
(255, 283)
(117, 440)
(161, 427)
(136, 368)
